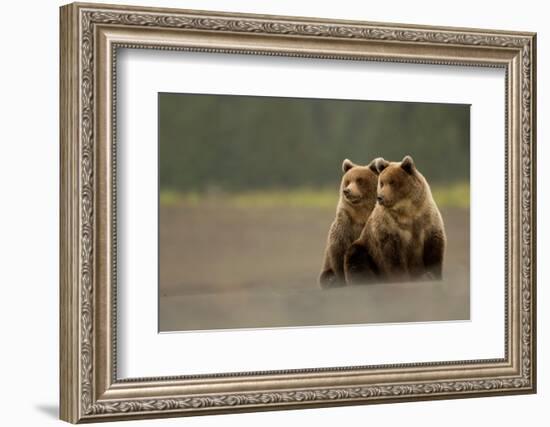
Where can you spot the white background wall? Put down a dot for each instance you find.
(29, 171)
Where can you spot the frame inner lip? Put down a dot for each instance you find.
(329, 371)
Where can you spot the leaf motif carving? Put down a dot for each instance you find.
(91, 17)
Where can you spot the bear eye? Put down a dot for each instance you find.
(381, 184)
(346, 183)
(359, 180)
(391, 182)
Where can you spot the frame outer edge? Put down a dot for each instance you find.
(305, 19)
(77, 339)
(68, 227)
(533, 205)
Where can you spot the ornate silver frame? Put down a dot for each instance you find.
(90, 36)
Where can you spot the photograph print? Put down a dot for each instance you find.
(294, 212)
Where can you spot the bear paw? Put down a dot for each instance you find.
(328, 279)
(358, 265)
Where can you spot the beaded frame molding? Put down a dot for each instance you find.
(89, 39)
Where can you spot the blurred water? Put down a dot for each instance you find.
(225, 267)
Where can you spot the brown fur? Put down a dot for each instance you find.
(404, 237)
(357, 200)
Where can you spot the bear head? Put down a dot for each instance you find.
(358, 186)
(400, 184)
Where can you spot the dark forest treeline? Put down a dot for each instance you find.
(236, 143)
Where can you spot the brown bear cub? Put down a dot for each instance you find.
(357, 200)
(404, 237)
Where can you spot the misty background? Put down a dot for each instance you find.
(243, 143)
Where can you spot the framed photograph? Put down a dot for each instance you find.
(266, 212)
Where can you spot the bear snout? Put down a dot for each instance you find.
(380, 199)
(347, 192)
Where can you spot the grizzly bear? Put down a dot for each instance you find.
(356, 202)
(404, 237)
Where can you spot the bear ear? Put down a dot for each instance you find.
(380, 164)
(373, 165)
(347, 165)
(407, 164)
